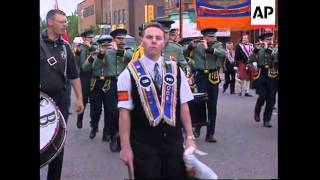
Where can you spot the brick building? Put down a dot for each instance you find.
(128, 14)
(89, 12)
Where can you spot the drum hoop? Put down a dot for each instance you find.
(57, 110)
(62, 143)
(200, 94)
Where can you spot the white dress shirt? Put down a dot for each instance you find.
(124, 83)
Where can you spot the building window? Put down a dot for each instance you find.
(123, 16)
(88, 11)
(109, 18)
(160, 11)
(119, 17)
(115, 17)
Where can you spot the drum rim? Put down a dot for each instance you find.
(64, 129)
(200, 94)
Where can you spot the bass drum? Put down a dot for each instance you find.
(52, 130)
(199, 109)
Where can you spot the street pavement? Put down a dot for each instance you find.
(245, 149)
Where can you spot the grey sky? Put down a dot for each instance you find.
(68, 6)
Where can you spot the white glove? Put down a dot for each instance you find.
(202, 171)
(235, 68)
(255, 64)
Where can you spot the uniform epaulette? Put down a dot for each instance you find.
(175, 44)
(178, 44)
(219, 42)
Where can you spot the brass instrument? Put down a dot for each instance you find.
(190, 76)
(260, 44)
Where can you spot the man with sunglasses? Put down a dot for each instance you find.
(110, 62)
(207, 53)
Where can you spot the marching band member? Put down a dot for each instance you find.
(265, 60)
(106, 68)
(206, 54)
(85, 76)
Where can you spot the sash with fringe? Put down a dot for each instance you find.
(246, 51)
(155, 110)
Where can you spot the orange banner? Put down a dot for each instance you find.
(234, 15)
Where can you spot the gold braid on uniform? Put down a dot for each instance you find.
(272, 72)
(106, 85)
(92, 83)
(214, 77)
(256, 74)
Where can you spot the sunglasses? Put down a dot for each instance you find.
(120, 38)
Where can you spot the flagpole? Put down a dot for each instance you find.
(181, 18)
(56, 5)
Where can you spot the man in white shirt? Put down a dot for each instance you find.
(152, 97)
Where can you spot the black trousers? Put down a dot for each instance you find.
(85, 78)
(266, 91)
(204, 85)
(62, 100)
(109, 100)
(230, 78)
(275, 81)
(161, 160)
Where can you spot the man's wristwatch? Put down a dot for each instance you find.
(191, 137)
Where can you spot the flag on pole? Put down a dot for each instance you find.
(177, 3)
(232, 14)
(56, 5)
(65, 35)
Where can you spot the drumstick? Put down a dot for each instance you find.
(130, 170)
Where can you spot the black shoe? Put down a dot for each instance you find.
(267, 124)
(115, 143)
(106, 138)
(79, 124)
(232, 93)
(93, 134)
(196, 132)
(211, 139)
(256, 117)
(248, 95)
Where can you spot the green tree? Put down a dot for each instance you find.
(95, 29)
(72, 28)
(43, 24)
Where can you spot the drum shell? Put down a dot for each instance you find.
(56, 142)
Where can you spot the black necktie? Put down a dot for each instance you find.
(157, 76)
